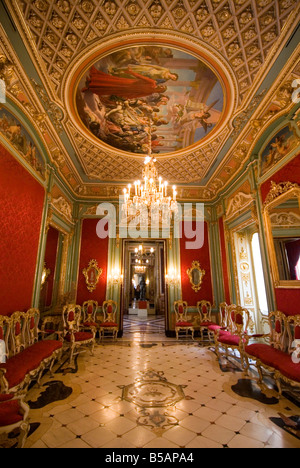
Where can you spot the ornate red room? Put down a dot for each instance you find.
(150, 224)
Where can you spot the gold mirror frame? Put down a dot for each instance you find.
(195, 266)
(277, 195)
(92, 284)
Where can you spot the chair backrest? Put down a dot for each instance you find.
(17, 335)
(71, 317)
(293, 329)
(5, 325)
(32, 331)
(278, 329)
(89, 309)
(109, 309)
(204, 309)
(239, 319)
(180, 308)
(223, 314)
(51, 323)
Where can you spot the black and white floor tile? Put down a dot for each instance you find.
(156, 394)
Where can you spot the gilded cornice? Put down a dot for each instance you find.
(245, 38)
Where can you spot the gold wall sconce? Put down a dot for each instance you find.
(116, 277)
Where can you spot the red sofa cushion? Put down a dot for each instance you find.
(288, 368)
(6, 396)
(266, 354)
(16, 370)
(44, 349)
(18, 366)
(10, 413)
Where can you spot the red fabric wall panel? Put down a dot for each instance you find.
(187, 256)
(290, 172)
(50, 260)
(224, 261)
(288, 300)
(92, 247)
(21, 208)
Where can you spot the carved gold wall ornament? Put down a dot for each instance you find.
(92, 274)
(196, 274)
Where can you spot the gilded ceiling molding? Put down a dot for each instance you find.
(242, 38)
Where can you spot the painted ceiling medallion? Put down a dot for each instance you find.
(120, 94)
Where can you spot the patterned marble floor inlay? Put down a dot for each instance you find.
(164, 394)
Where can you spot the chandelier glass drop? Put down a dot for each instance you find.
(150, 197)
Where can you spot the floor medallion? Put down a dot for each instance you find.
(154, 397)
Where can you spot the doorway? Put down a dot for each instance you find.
(144, 290)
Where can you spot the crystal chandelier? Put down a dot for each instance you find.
(151, 195)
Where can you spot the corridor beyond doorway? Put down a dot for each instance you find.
(151, 328)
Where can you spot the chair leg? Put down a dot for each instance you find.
(24, 429)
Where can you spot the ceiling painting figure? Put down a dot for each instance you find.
(150, 95)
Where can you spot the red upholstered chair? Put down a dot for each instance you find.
(223, 321)
(204, 310)
(266, 355)
(289, 369)
(109, 326)
(73, 336)
(14, 415)
(182, 325)
(235, 336)
(89, 310)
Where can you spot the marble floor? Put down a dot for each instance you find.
(149, 392)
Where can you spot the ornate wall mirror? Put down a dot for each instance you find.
(92, 274)
(195, 274)
(282, 221)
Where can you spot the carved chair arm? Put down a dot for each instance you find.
(3, 382)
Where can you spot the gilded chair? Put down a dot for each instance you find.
(73, 335)
(204, 310)
(223, 321)
(109, 326)
(89, 310)
(182, 325)
(14, 416)
(236, 335)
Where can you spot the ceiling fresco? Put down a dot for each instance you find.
(147, 93)
(199, 80)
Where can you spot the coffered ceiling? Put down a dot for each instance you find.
(251, 46)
